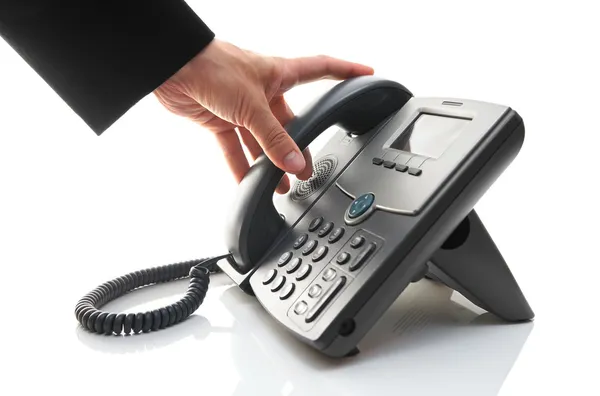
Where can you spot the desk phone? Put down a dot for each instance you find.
(390, 202)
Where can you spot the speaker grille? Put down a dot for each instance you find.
(322, 170)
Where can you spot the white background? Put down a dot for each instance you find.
(77, 209)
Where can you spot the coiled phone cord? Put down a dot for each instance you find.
(89, 315)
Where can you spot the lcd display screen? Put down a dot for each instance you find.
(430, 135)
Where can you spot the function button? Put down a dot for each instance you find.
(278, 284)
(287, 291)
(300, 308)
(357, 241)
(363, 256)
(320, 253)
(269, 276)
(325, 230)
(343, 258)
(293, 265)
(314, 291)
(327, 297)
(315, 223)
(329, 274)
(304, 271)
(360, 205)
(415, 171)
(401, 168)
(377, 161)
(300, 241)
(336, 235)
(310, 247)
(389, 164)
(284, 259)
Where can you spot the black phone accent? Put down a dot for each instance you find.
(357, 105)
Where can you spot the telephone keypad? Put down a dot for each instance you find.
(363, 256)
(320, 253)
(310, 247)
(336, 235)
(300, 241)
(287, 291)
(294, 265)
(269, 276)
(342, 258)
(315, 223)
(315, 291)
(278, 284)
(325, 230)
(304, 272)
(357, 241)
(329, 274)
(300, 308)
(327, 297)
(284, 259)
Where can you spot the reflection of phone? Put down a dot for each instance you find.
(391, 200)
(428, 343)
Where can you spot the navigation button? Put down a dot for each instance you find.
(360, 205)
(377, 161)
(389, 164)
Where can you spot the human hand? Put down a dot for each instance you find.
(225, 88)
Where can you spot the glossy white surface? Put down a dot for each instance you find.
(77, 210)
(431, 341)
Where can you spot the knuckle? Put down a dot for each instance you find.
(274, 137)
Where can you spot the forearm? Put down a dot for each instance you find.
(102, 56)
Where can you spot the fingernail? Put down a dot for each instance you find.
(294, 162)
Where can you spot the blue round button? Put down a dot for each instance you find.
(360, 205)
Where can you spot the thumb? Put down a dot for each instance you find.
(275, 141)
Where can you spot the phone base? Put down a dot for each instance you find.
(470, 263)
(353, 352)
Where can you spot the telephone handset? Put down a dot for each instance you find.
(390, 202)
(357, 106)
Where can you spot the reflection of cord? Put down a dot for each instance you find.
(197, 327)
(94, 320)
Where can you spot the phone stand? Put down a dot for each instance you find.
(470, 263)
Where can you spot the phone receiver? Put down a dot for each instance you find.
(357, 105)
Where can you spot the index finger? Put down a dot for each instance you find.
(309, 69)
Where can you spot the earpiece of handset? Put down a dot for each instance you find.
(356, 105)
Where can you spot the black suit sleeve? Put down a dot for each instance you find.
(103, 56)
